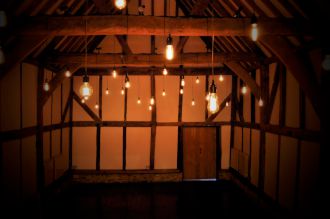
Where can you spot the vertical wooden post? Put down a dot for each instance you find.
(180, 131)
(282, 95)
(233, 110)
(124, 128)
(263, 118)
(71, 122)
(21, 126)
(153, 127)
(253, 103)
(218, 151)
(207, 78)
(98, 127)
(39, 139)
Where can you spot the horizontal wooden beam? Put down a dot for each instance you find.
(145, 60)
(151, 25)
(145, 124)
(156, 71)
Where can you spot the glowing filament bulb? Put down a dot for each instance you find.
(127, 82)
(221, 78)
(213, 104)
(120, 4)
(181, 91)
(197, 80)
(83, 100)
(86, 89)
(165, 72)
(169, 48)
(227, 103)
(260, 102)
(114, 73)
(182, 82)
(122, 91)
(193, 102)
(67, 73)
(150, 107)
(138, 100)
(107, 91)
(254, 28)
(163, 93)
(96, 105)
(244, 89)
(46, 86)
(152, 101)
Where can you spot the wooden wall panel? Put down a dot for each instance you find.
(56, 142)
(312, 121)
(223, 90)
(194, 44)
(167, 107)
(113, 104)
(46, 146)
(292, 101)
(62, 161)
(79, 114)
(138, 148)
(309, 184)
(197, 91)
(287, 176)
(225, 147)
(238, 138)
(29, 166)
(246, 140)
(11, 171)
(140, 86)
(166, 148)
(84, 148)
(47, 108)
(111, 148)
(255, 148)
(29, 98)
(10, 100)
(271, 164)
(56, 112)
(247, 106)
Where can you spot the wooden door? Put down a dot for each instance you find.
(199, 153)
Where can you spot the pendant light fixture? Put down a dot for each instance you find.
(212, 97)
(152, 101)
(227, 103)
(138, 99)
(46, 86)
(244, 89)
(254, 25)
(122, 92)
(165, 72)
(164, 86)
(169, 50)
(67, 73)
(114, 72)
(182, 82)
(96, 105)
(221, 78)
(197, 80)
(127, 82)
(260, 102)
(107, 92)
(120, 4)
(192, 93)
(86, 90)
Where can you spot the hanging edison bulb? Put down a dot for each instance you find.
(164, 93)
(227, 103)
(82, 100)
(254, 28)
(120, 4)
(67, 73)
(213, 103)
(86, 89)
(207, 98)
(127, 82)
(96, 106)
(150, 107)
(197, 80)
(107, 91)
(261, 102)
(169, 48)
(181, 90)
(46, 86)
(138, 100)
(122, 91)
(193, 102)
(165, 72)
(221, 78)
(152, 101)
(244, 89)
(182, 82)
(114, 73)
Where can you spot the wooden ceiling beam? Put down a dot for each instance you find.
(145, 60)
(150, 25)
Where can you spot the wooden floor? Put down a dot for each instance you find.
(217, 199)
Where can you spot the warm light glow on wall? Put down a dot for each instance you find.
(120, 4)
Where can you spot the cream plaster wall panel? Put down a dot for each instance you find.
(166, 148)
(29, 98)
(84, 148)
(167, 107)
(56, 112)
(110, 45)
(271, 164)
(140, 87)
(11, 169)
(194, 45)
(197, 91)
(225, 147)
(287, 180)
(139, 44)
(113, 104)
(255, 148)
(223, 90)
(138, 148)
(29, 166)
(111, 148)
(10, 98)
(292, 101)
(312, 120)
(309, 189)
(79, 114)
